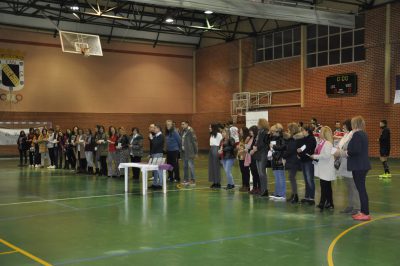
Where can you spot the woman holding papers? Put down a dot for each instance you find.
(102, 149)
(305, 148)
(324, 167)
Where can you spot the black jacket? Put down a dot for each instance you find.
(157, 144)
(290, 155)
(384, 142)
(228, 148)
(278, 151)
(262, 144)
(357, 150)
(90, 143)
(310, 143)
(124, 140)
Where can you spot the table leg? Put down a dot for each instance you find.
(164, 180)
(144, 183)
(126, 178)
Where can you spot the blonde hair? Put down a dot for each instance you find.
(263, 123)
(358, 122)
(293, 128)
(326, 134)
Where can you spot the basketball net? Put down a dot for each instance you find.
(85, 51)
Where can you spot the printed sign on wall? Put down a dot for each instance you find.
(397, 93)
(12, 70)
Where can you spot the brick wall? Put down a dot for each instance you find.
(285, 74)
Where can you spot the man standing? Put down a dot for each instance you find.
(337, 134)
(189, 152)
(157, 149)
(384, 148)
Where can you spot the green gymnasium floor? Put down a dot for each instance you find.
(50, 217)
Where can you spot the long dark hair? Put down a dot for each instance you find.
(254, 129)
(214, 130)
(246, 133)
(347, 123)
(109, 131)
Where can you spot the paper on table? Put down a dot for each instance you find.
(333, 151)
(119, 145)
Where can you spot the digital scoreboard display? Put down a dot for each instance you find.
(341, 85)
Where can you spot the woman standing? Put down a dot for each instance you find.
(358, 162)
(44, 153)
(80, 149)
(70, 159)
(305, 148)
(22, 148)
(227, 152)
(214, 169)
(292, 162)
(353, 206)
(324, 167)
(102, 150)
(260, 153)
(278, 147)
(253, 131)
(31, 147)
(37, 159)
(123, 146)
(89, 150)
(112, 155)
(136, 151)
(174, 143)
(243, 163)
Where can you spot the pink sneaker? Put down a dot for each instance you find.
(362, 217)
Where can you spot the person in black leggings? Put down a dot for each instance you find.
(358, 162)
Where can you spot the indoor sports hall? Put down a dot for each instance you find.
(199, 132)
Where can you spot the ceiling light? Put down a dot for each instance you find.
(169, 20)
(208, 12)
(75, 8)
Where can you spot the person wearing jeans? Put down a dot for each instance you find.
(157, 150)
(189, 152)
(358, 162)
(278, 147)
(174, 144)
(227, 153)
(260, 152)
(305, 149)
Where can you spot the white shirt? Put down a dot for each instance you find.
(216, 141)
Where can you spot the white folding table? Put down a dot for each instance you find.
(144, 168)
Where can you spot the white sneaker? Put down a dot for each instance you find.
(280, 198)
(36, 166)
(49, 167)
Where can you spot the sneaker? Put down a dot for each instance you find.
(279, 198)
(303, 201)
(362, 217)
(192, 183)
(229, 187)
(272, 196)
(185, 183)
(356, 215)
(355, 211)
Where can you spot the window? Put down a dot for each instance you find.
(277, 45)
(328, 45)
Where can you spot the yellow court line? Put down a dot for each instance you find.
(332, 245)
(25, 253)
(8, 252)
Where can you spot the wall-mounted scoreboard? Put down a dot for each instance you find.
(341, 85)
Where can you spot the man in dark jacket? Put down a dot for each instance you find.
(189, 152)
(157, 150)
(384, 148)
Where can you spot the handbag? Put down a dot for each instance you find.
(247, 159)
(338, 162)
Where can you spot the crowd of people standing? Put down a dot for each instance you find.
(313, 149)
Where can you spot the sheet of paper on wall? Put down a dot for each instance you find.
(397, 93)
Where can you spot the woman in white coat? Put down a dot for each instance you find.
(353, 206)
(324, 168)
